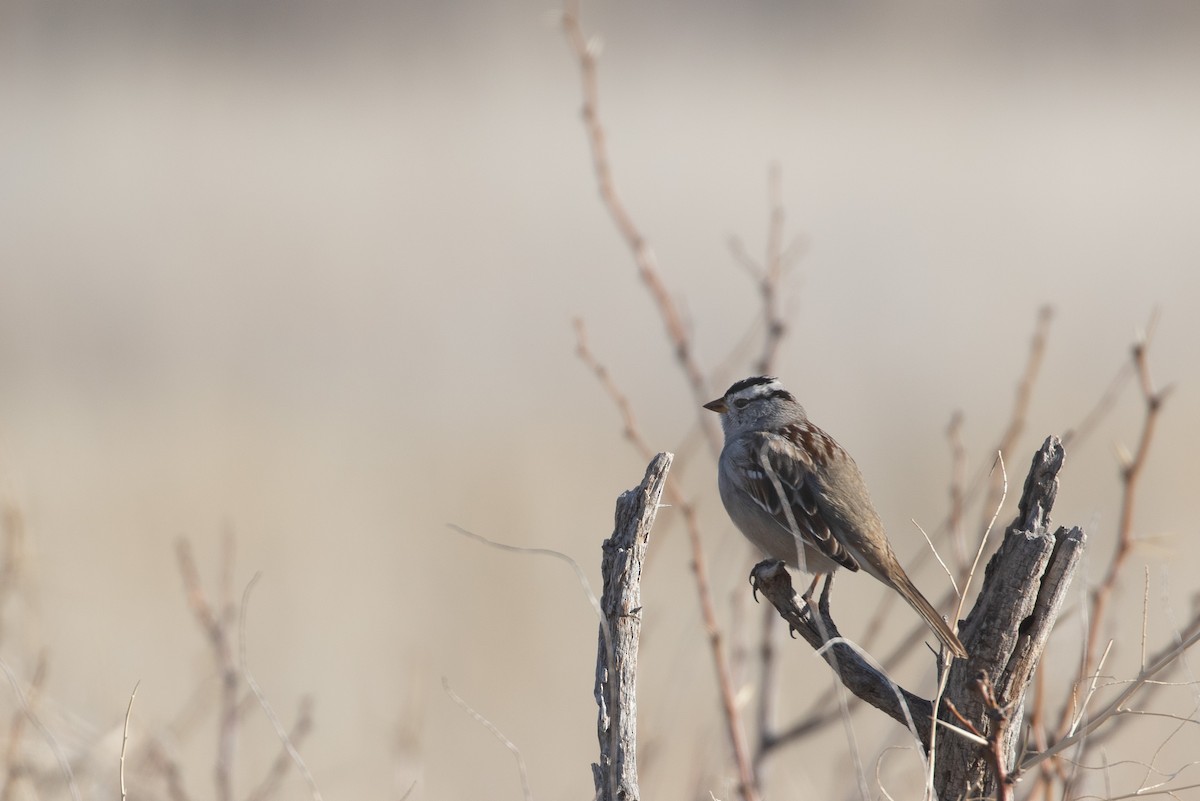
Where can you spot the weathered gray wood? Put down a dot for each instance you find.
(615, 775)
(1006, 632)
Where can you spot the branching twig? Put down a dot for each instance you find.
(288, 755)
(643, 255)
(1163, 661)
(291, 753)
(1131, 471)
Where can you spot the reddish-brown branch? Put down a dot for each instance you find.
(1130, 473)
(999, 717)
(643, 255)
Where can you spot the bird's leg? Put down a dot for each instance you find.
(808, 594)
(824, 605)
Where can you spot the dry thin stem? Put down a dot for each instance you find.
(1131, 471)
(288, 756)
(605, 625)
(125, 736)
(748, 785)
(962, 596)
(300, 730)
(580, 576)
(499, 735)
(1117, 705)
(1190, 632)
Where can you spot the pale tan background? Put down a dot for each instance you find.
(307, 271)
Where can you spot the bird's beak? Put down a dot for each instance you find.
(717, 406)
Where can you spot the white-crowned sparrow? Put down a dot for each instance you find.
(798, 496)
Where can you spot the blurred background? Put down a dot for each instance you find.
(306, 273)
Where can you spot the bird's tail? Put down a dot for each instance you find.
(917, 601)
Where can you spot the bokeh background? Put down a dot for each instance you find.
(306, 273)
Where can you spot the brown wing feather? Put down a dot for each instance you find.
(777, 466)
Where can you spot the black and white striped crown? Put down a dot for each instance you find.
(757, 388)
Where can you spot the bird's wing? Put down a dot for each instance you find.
(778, 476)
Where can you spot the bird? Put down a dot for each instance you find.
(798, 496)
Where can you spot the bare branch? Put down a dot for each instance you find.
(1130, 473)
(1162, 662)
(643, 255)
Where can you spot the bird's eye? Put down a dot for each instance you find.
(741, 403)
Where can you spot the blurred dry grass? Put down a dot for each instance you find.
(309, 273)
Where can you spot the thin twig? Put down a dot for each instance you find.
(287, 757)
(499, 735)
(125, 735)
(1116, 706)
(962, 596)
(303, 721)
(1131, 471)
(580, 576)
